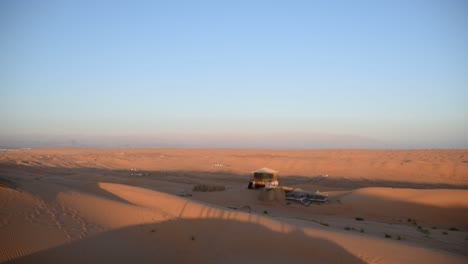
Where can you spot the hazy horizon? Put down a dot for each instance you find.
(299, 141)
(271, 74)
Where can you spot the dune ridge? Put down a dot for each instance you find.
(56, 209)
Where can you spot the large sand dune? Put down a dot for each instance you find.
(88, 206)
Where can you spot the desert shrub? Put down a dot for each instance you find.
(423, 230)
(265, 212)
(388, 235)
(359, 219)
(362, 230)
(412, 221)
(453, 229)
(324, 224)
(445, 233)
(208, 188)
(348, 228)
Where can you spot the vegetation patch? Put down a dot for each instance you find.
(359, 219)
(412, 221)
(453, 229)
(208, 188)
(423, 230)
(350, 228)
(388, 235)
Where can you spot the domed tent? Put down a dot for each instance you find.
(264, 178)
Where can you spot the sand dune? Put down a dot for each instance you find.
(182, 231)
(441, 198)
(54, 209)
(448, 167)
(442, 208)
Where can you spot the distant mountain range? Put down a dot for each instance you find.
(273, 141)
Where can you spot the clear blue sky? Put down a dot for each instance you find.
(395, 71)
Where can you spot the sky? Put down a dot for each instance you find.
(394, 72)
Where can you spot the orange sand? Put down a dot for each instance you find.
(85, 206)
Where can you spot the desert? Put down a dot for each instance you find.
(139, 205)
(233, 132)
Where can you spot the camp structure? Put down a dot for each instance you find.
(264, 178)
(304, 197)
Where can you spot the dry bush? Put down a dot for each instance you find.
(208, 188)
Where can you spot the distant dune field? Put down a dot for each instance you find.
(138, 205)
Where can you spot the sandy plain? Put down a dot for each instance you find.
(138, 205)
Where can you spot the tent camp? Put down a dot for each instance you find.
(264, 178)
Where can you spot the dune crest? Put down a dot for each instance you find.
(440, 197)
(87, 207)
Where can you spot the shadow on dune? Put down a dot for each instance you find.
(201, 239)
(199, 177)
(347, 183)
(85, 180)
(195, 241)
